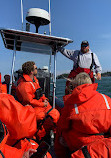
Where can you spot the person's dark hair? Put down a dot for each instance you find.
(28, 66)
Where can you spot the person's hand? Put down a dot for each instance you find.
(56, 48)
(29, 153)
(45, 103)
(98, 76)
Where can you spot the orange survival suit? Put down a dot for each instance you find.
(24, 145)
(26, 94)
(21, 123)
(5, 150)
(99, 148)
(85, 118)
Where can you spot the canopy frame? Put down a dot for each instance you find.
(14, 40)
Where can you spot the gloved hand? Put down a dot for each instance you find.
(57, 48)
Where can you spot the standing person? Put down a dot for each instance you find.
(84, 119)
(29, 92)
(84, 61)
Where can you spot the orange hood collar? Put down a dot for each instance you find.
(25, 78)
(81, 94)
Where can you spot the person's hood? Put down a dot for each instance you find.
(25, 78)
(81, 94)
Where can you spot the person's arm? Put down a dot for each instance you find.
(12, 152)
(9, 151)
(68, 53)
(98, 67)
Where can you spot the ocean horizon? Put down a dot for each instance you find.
(104, 86)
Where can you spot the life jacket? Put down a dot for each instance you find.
(78, 69)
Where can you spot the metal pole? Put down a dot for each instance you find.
(13, 64)
(50, 18)
(54, 82)
(50, 63)
(22, 13)
(50, 60)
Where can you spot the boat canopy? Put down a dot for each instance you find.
(17, 40)
(31, 42)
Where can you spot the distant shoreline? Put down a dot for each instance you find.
(105, 74)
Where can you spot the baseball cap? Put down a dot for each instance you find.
(85, 43)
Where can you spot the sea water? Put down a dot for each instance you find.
(104, 86)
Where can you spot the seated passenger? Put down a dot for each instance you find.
(29, 92)
(20, 121)
(21, 124)
(25, 149)
(7, 81)
(85, 117)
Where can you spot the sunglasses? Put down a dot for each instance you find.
(84, 45)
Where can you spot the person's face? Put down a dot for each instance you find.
(7, 78)
(84, 48)
(35, 70)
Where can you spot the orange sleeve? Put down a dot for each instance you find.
(44, 98)
(12, 152)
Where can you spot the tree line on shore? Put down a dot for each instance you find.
(105, 74)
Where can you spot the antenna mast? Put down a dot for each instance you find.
(50, 19)
(22, 13)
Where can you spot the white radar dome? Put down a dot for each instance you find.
(38, 17)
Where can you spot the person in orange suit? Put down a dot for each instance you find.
(17, 123)
(25, 150)
(85, 117)
(28, 91)
(7, 151)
